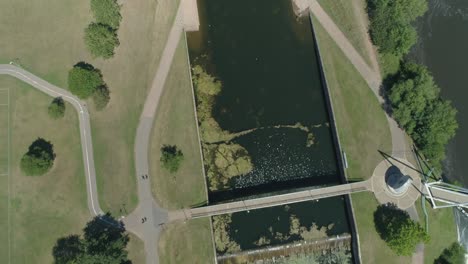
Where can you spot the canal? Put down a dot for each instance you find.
(264, 123)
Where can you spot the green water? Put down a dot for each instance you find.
(265, 58)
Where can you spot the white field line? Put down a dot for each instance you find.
(9, 178)
(84, 129)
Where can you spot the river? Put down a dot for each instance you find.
(443, 48)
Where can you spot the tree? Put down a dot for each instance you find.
(56, 108)
(101, 40)
(101, 97)
(418, 108)
(454, 254)
(390, 24)
(397, 229)
(171, 157)
(106, 12)
(39, 158)
(104, 241)
(84, 79)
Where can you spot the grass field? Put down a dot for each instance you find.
(136, 250)
(373, 248)
(46, 38)
(188, 242)
(46, 207)
(175, 125)
(361, 122)
(351, 18)
(442, 230)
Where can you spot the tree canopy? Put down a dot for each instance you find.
(418, 108)
(171, 158)
(454, 254)
(390, 23)
(106, 12)
(101, 40)
(39, 158)
(84, 79)
(56, 108)
(397, 229)
(104, 241)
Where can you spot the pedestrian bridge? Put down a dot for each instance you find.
(270, 201)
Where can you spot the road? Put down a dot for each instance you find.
(85, 127)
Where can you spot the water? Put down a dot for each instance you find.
(443, 47)
(265, 59)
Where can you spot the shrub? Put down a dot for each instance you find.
(84, 79)
(101, 97)
(397, 229)
(57, 108)
(39, 158)
(106, 12)
(454, 254)
(101, 40)
(171, 157)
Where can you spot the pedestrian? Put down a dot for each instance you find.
(143, 177)
(146, 176)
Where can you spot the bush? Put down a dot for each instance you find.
(417, 107)
(454, 254)
(39, 158)
(397, 229)
(101, 40)
(101, 97)
(390, 24)
(56, 109)
(171, 157)
(84, 79)
(106, 12)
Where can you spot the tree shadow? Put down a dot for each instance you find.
(67, 249)
(86, 66)
(40, 145)
(58, 101)
(387, 216)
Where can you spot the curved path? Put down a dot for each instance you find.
(85, 128)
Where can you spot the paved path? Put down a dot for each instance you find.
(85, 128)
(155, 215)
(372, 77)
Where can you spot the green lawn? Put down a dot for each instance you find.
(362, 125)
(136, 250)
(187, 242)
(46, 38)
(373, 248)
(351, 18)
(175, 125)
(43, 208)
(442, 230)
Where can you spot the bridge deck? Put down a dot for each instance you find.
(275, 200)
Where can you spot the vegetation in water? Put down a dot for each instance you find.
(308, 234)
(397, 229)
(226, 160)
(223, 158)
(84, 79)
(171, 158)
(56, 108)
(390, 24)
(104, 241)
(39, 158)
(223, 241)
(418, 108)
(454, 254)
